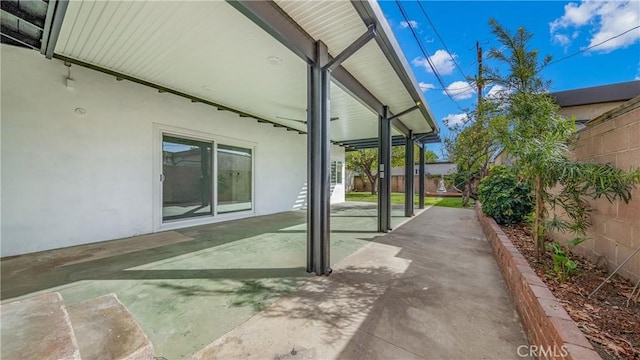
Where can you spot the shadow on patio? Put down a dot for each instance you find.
(190, 286)
(430, 289)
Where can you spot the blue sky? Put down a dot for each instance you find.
(560, 28)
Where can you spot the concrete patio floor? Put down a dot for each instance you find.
(188, 287)
(431, 289)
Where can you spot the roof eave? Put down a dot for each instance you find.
(597, 94)
(371, 13)
(271, 18)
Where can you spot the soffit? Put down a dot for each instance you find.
(337, 24)
(221, 56)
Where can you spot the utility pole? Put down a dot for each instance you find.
(479, 81)
(480, 115)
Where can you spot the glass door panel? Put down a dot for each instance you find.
(186, 185)
(234, 179)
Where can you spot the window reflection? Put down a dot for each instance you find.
(234, 179)
(186, 185)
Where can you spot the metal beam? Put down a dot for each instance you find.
(405, 112)
(351, 49)
(47, 26)
(17, 40)
(384, 167)
(421, 179)
(272, 19)
(427, 138)
(396, 140)
(318, 157)
(56, 25)
(408, 176)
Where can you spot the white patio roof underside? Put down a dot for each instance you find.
(209, 50)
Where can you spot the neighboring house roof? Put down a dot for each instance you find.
(617, 111)
(598, 94)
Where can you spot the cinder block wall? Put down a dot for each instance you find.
(613, 138)
(397, 184)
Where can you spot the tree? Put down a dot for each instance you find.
(473, 145)
(539, 139)
(398, 158)
(365, 162)
(429, 156)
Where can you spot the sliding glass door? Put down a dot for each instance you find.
(188, 188)
(186, 185)
(234, 179)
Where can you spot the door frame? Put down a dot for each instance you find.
(159, 130)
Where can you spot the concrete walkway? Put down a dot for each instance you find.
(430, 289)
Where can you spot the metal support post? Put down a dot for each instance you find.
(319, 151)
(408, 176)
(384, 167)
(421, 179)
(52, 34)
(318, 157)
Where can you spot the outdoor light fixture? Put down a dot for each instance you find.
(69, 80)
(274, 60)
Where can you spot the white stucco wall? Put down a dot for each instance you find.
(338, 191)
(70, 179)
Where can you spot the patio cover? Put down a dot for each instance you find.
(249, 57)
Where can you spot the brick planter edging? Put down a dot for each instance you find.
(546, 323)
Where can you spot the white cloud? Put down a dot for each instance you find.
(575, 15)
(606, 19)
(455, 120)
(406, 24)
(441, 60)
(561, 39)
(496, 92)
(460, 90)
(425, 86)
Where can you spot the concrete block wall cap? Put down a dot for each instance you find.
(545, 320)
(542, 292)
(580, 353)
(568, 331)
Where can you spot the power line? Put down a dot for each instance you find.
(591, 47)
(424, 52)
(441, 40)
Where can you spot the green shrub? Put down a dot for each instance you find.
(504, 197)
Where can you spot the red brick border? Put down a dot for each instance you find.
(547, 324)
